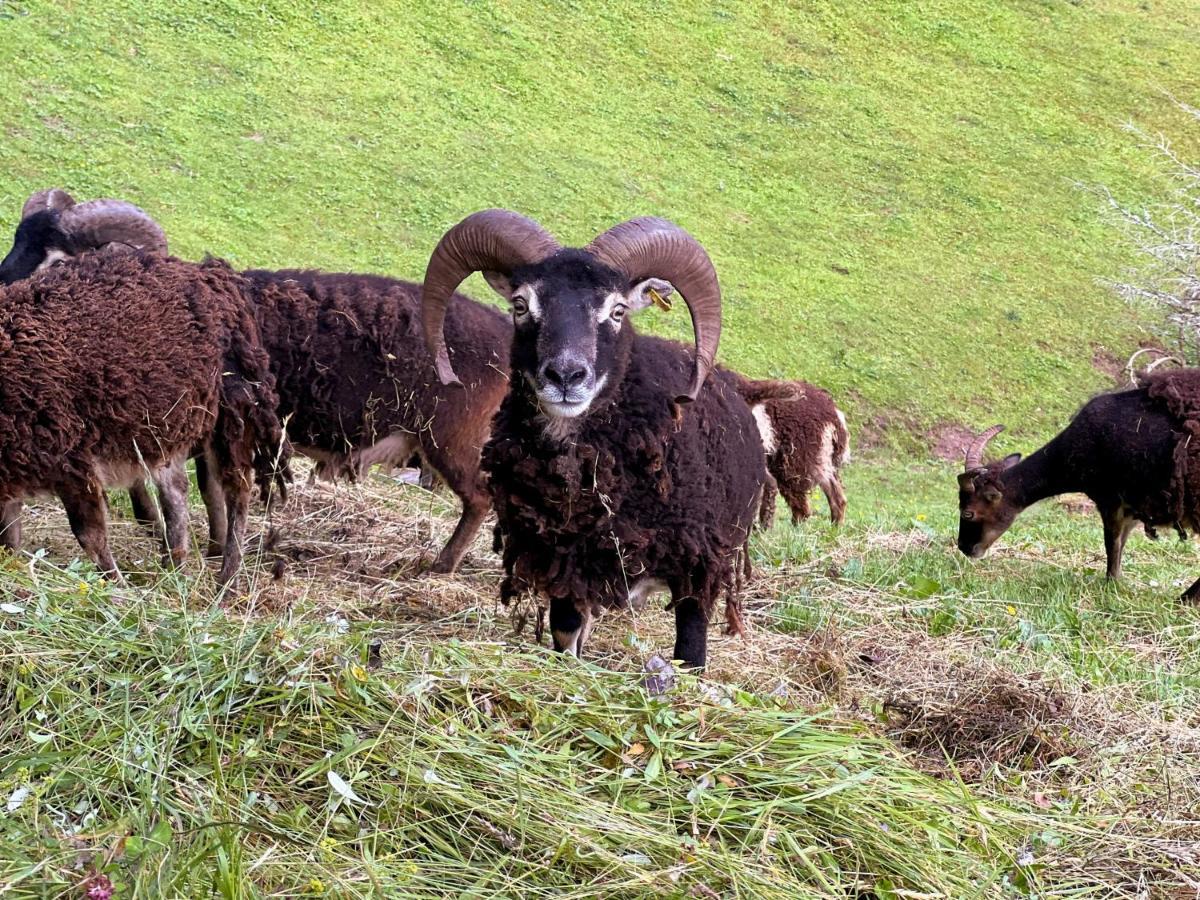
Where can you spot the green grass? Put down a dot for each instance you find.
(889, 189)
(200, 750)
(890, 193)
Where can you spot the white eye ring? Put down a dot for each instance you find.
(519, 306)
(618, 312)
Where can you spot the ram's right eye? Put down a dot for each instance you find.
(520, 307)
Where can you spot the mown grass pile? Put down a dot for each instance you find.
(176, 749)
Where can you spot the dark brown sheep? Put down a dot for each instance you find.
(115, 365)
(353, 378)
(806, 442)
(618, 464)
(357, 388)
(1134, 453)
(53, 227)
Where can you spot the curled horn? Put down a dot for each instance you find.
(101, 223)
(53, 199)
(650, 247)
(975, 448)
(491, 240)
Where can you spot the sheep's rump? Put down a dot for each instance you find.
(639, 493)
(1178, 392)
(126, 361)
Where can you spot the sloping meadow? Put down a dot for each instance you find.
(170, 749)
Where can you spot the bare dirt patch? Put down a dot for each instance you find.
(948, 440)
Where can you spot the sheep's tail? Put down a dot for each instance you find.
(841, 441)
(254, 428)
(252, 436)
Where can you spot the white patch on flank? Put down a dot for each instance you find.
(826, 466)
(765, 429)
(392, 452)
(123, 474)
(52, 256)
(641, 590)
(845, 449)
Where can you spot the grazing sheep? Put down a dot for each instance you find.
(1134, 453)
(609, 479)
(806, 442)
(116, 365)
(352, 375)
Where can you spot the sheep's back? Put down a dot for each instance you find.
(350, 360)
(110, 357)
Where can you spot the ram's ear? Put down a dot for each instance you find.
(1011, 460)
(652, 290)
(500, 283)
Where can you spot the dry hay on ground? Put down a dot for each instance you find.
(357, 552)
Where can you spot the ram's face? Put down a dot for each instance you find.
(571, 331)
(983, 510)
(37, 244)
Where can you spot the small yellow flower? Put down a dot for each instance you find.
(359, 673)
(84, 587)
(316, 886)
(1011, 610)
(920, 517)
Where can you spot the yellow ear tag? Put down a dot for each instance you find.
(659, 300)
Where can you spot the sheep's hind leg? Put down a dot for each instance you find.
(10, 525)
(214, 507)
(766, 507)
(475, 510)
(172, 483)
(836, 495)
(467, 484)
(142, 503)
(691, 633)
(1116, 531)
(84, 503)
(236, 488)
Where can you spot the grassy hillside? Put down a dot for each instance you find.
(888, 189)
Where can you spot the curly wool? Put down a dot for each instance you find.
(351, 366)
(114, 363)
(645, 488)
(1178, 393)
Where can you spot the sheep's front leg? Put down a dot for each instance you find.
(10, 525)
(84, 503)
(691, 633)
(570, 625)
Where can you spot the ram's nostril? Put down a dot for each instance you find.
(565, 373)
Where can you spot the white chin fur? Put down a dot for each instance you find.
(559, 409)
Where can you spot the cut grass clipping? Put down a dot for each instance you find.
(173, 751)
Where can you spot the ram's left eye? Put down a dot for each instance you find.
(618, 312)
(520, 307)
